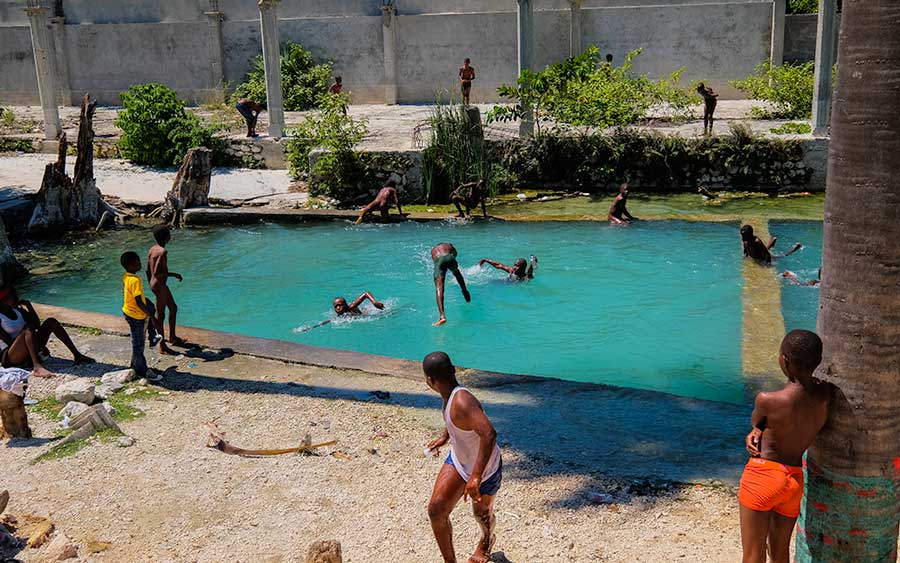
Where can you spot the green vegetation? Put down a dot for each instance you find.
(222, 118)
(157, 130)
(585, 90)
(788, 87)
(89, 330)
(304, 82)
(792, 128)
(802, 6)
(16, 145)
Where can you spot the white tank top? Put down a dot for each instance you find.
(464, 445)
(12, 327)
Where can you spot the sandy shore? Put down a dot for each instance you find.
(169, 498)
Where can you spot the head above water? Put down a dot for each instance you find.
(800, 355)
(130, 261)
(440, 373)
(162, 234)
(340, 305)
(747, 233)
(520, 265)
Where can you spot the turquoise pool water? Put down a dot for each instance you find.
(799, 304)
(655, 306)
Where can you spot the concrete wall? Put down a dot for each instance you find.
(800, 37)
(112, 44)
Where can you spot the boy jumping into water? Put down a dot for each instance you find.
(517, 271)
(754, 247)
(618, 214)
(382, 203)
(444, 256)
(342, 308)
(784, 424)
(158, 275)
(474, 468)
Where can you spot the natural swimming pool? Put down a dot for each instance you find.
(653, 306)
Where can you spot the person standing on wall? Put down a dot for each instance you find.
(466, 77)
(250, 111)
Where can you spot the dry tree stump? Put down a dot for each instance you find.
(14, 416)
(191, 186)
(65, 203)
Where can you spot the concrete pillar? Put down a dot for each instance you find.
(216, 53)
(825, 41)
(61, 60)
(43, 63)
(389, 31)
(575, 27)
(776, 49)
(268, 17)
(525, 40)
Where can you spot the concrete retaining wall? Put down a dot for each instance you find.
(111, 45)
(800, 37)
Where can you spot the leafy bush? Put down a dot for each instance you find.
(789, 87)
(585, 90)
(802, 6)
(340, 171)
(157, 130)
(304, 83)
(792, 128)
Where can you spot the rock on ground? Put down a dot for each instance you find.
(72, 408)
(80, 390)
(60, 549)
(327, 551)
(120, 377)
(105, 390)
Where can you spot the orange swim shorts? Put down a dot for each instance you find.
(771, 486)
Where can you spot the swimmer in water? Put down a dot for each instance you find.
(341, 307)
(618, 214)
(794, 279)
(444, 257)
(754, 247)
(517, 272)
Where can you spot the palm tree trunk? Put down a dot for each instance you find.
(851, 507)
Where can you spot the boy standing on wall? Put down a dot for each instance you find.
(474, 468)
(158, 275)
(784, 424)
(138, 311)
(466, 77)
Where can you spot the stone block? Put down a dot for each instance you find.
(79, 390)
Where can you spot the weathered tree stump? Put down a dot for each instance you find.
(191, 187)
(13, 415)
(65, 203)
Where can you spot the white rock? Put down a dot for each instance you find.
(122, 376)
(108, 408)
(125, 442)
(105, 390)
(80, 390)
(60, 549)
(72, 409)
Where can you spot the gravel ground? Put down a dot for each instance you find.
(169, 498)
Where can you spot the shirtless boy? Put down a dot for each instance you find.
(158, 275)
(754, 247)
(466, 76)
(474, 468)
(470, 195)
(709, 106)
(341, 307)
(250, 111)
(784, 424)
(386, 196)
(444, 256)
(518, 271)
(618, 213)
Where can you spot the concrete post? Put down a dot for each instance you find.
(216, 52)
(389, 31)
(268, 17)
(575, 27)
(61, 60)
(776, 50)
(43, 63)
(825, 40)
(525, 39)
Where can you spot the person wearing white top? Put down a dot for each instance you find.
(474, 467)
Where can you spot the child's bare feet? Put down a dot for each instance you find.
(42, 372)
(440, 321)
(178, 341)
(483, 550)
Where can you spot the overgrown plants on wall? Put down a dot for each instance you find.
(304, 82)
(788, 87)
(157, 130)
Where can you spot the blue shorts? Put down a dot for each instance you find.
(489, 487)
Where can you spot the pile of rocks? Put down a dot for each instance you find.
(81, 395)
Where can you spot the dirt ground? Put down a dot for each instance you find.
(169, 498)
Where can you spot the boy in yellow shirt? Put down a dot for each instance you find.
(140, 314)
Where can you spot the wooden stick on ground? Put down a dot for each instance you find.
(217, 441)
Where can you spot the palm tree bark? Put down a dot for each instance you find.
(851, 507)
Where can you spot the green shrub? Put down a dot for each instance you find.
(788, 87)
(792, 128)
(303, 81)
(16, 145)
(802, 6)
(157, 130)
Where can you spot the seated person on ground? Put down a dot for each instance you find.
(470, 195)
(754, 247)
(618, 214)
(23, 337)
(784, 423)
(387, 196)
(342, 308)
(518, 271)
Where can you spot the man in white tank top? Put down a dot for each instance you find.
(474, 467)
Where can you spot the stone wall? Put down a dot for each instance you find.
(800, 37)
(110, 45)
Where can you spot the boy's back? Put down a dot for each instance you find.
(157, 267)
(794, 416)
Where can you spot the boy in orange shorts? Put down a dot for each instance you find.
(784, 423)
